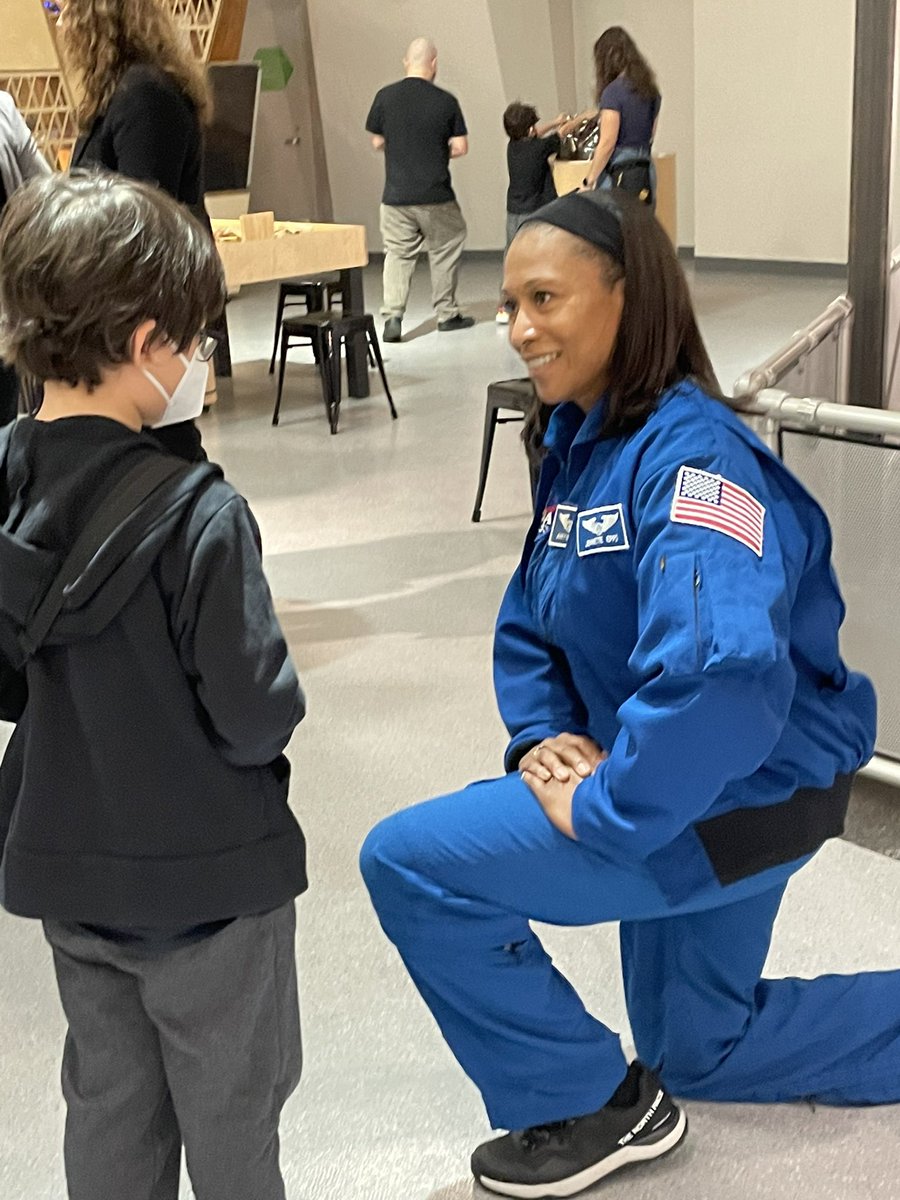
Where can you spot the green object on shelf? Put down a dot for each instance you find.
(277, 68)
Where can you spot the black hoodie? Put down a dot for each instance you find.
(144, 785)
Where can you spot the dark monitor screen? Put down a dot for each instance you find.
(229, 140)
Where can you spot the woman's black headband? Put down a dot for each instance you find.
(587, 215)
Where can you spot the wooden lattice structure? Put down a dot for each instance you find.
(43, 94)
(44, 100)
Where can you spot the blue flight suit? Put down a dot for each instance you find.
(676, 603)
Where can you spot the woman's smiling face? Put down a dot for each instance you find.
(564, 315)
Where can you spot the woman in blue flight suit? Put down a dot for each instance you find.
(667, 665)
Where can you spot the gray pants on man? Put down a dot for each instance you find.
(196, 1046)
(405, 230)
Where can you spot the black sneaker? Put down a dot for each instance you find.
(392, 330)
(567, 1156)
(457, 322)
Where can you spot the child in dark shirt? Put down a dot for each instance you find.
(528, 154)
(144, 809)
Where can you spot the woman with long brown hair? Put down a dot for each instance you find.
(144, 102)
(628, 103)
(682, 738)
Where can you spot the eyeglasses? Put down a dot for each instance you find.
(52, 8)
(209, 344)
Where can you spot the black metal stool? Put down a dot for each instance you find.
(315, 294)
(516, 395)
(327, 332)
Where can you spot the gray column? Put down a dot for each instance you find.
(870, 188)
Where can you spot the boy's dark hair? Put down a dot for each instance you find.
(84, 259)
(518, 120)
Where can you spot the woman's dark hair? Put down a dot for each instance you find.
(518, 120)
(616, 54)
(84, 260)
(659, 343)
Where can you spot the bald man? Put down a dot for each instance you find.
(420, 127)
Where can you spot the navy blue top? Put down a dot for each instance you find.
(635, 112)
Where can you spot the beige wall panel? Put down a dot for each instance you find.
(774, 86)
(26, 44)
(523, 42)
(290, 173)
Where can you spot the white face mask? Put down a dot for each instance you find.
(186, 402)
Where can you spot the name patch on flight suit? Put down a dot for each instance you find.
(601, 530)
(561, 528)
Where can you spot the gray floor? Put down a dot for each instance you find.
(388, 594)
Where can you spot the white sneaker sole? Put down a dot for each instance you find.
(576, 1183)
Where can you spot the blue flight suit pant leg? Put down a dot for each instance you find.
(455, 883)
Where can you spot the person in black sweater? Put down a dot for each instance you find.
(144, 103)
(144, 812)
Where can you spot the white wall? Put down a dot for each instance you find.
(773, 106)
(757, 105)
(359, 48)
(664, 33)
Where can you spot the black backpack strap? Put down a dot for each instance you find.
(128, 494)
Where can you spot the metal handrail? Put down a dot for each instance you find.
(824, 414)
(802, 343)
(781, 408)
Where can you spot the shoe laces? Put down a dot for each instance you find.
(539, 1136)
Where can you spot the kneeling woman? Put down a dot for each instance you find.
(683, 734)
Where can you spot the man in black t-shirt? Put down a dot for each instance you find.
(420, 127)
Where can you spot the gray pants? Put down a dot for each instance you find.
(514, 222)
(405, 230)
(198, 1045)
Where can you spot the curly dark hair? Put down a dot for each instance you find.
(86, 258)
(101, 39)
(518, 120)
(615, 54)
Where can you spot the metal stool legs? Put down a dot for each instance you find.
(487, 443)
(285, 338)
(375, 349)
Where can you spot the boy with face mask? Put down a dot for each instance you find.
(143, 796)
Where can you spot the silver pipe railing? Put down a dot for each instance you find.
(834, 321)
(806, 413)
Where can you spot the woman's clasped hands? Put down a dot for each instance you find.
(554, 768)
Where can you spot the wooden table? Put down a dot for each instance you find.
(304, 249)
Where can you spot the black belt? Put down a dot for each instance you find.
(745, 841)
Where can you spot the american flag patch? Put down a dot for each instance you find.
(702, 498)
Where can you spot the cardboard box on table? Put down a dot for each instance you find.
(568, 175)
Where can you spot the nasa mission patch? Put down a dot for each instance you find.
(601, 530)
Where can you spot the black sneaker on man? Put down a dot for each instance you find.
(457, 322)
(639, 1123)
(393, 330)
